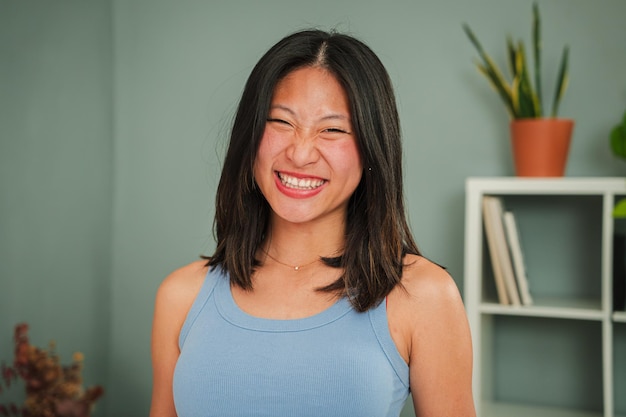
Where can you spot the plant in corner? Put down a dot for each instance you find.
(535, 137)
(52, 389)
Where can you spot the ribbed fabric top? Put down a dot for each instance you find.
(336, 363)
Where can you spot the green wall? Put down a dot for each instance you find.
(56, 166)
(114, 117)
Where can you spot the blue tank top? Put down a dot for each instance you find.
(336, 363)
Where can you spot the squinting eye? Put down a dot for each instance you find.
(270, 120)
(335, 130)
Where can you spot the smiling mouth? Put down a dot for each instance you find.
(300, 183)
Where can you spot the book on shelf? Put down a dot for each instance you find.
(506, 286)
(517, 257)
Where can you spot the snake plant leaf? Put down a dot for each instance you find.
(537, 45)
(491, 71)
(473, 39)
(499, 85)
(520, 97)
(515, 92)
(512, 54)
(526, 102)
(562, 82)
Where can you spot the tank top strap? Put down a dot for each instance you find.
(380, 325)
(213, 276)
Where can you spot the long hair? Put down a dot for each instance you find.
(377, 236)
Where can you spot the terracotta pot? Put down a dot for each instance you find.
(540, 146)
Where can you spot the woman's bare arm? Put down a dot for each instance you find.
(437, 342)
(173, 301)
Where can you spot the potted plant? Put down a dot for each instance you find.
(540, 143)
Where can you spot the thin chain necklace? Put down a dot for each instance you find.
(296, 267)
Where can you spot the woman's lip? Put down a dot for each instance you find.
(296, 192)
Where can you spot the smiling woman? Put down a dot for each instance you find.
(317, 301)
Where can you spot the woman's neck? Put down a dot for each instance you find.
(297, 244)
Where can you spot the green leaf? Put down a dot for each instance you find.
(473, 39)
(526, 102)
(512, 55)
(618, 141)
(490, 70)
(499, 85)
(537, 56)
(619, 211)
(562, 81)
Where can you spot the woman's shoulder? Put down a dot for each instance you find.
(182, 285)
(421, 274)
(427, 294)
(426, 288)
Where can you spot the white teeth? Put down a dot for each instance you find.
(301, 184)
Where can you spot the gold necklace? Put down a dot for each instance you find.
(296, 267)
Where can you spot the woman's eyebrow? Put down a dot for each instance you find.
(335, 116)
(282, 107)
(331, 116)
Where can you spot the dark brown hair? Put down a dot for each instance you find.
(377, 236)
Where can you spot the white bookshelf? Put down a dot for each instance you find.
(595, 309)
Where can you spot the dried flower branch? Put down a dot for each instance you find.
(52, 390)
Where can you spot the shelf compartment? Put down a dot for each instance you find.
(546, 362)
(571, 266)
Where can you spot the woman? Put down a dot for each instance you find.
(316, 301)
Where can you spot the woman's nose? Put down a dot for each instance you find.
(303, 149)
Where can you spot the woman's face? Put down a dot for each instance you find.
(308, 163)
